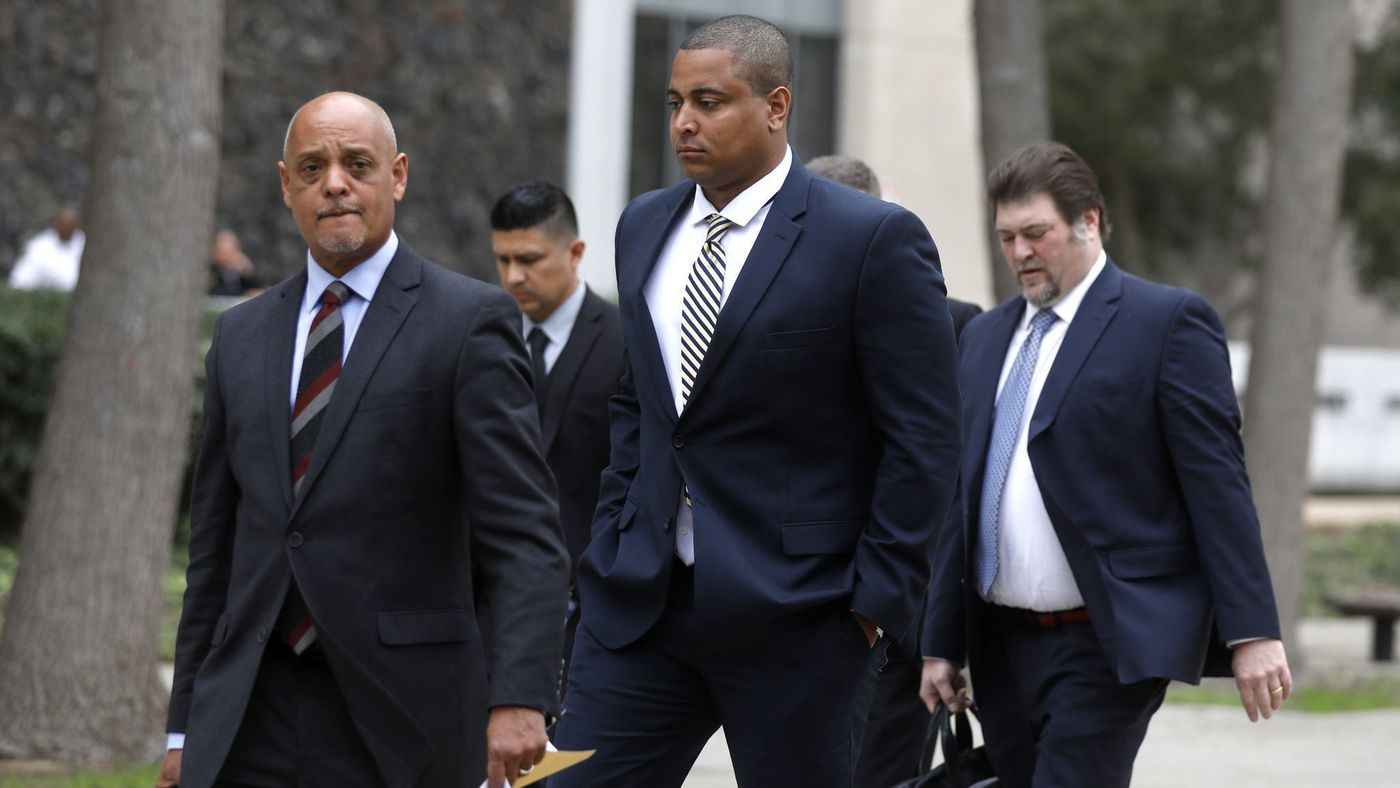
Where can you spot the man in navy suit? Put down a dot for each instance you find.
(783, 447)
(1110, 541)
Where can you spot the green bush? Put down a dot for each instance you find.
(32, 326)
(1342, 560)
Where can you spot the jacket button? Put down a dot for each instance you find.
(678, 440)
(294, 539)
(262, 635)
(667, 525)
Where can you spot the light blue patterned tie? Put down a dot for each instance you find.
(1006, 428)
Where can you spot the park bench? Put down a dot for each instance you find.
(1382, 606)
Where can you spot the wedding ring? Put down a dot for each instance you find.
(1276, 691)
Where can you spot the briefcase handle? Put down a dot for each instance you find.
(955, 731)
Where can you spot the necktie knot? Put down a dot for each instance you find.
(537, 340)
(1042, 321)
(718, 227)
(336, 293)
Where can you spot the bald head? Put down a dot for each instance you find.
(347, 101)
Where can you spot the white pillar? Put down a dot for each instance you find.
(600, 124)
(909, 109)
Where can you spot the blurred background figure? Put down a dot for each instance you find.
(50, 259)
(231, 273)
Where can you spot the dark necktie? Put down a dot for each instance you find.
(320, 368)
(537, 341)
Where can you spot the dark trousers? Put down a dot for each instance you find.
(786, 700)
(297, 730)
(897, 722)
(1053, 712)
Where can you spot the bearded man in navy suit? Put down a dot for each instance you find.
(1108, 542)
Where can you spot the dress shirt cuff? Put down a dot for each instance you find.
(174, 741)
(1239, 641)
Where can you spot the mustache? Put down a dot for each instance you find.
(337, 208)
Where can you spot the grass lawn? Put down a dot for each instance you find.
(1360, 696)
(135, 777)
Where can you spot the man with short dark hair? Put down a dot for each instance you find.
(575, 342)
(1110, 541)
(369, 470)
(783, 447)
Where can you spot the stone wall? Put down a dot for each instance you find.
(477, 90)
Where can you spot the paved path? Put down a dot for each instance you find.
(1217, 746)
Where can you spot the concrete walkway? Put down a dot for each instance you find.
(1217, 746)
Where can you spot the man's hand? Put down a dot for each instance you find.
(515, 742)
(1261, 674)
(169, 776)
(943, 683)
(868, 627)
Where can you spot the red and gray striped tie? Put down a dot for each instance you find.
(320, 367)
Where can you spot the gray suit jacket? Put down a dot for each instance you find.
(426, 480)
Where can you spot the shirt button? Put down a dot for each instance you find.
(685, 532)
(294, 539)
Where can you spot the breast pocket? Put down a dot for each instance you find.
(384, 400)
(806, 337)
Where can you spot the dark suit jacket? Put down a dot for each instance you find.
(426, 471)
(820, 440)
(1135, 443)
(575, 418)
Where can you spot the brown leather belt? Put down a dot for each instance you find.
(1038, 620)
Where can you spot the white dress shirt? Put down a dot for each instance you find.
(48, 262)
(665, 290)
(363, 280)
(1032, 571)
(558, 326)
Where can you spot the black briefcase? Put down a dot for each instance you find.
(964, 766)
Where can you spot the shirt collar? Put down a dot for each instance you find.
(362, 280)
(749, 202)
(1068, 304)
(558, 325)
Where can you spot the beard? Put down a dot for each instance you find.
(343, 242)
(1045, 296)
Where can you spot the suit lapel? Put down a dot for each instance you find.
(387, 310)
(280, 344)
(656, 230)
(1094, 314)
(770, 251)
(587, 328)
(980, 384)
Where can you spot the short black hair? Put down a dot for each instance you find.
(1050, 168)
(761, 53)
(847, 171)
(536, 204)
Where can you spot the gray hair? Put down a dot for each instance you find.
(847, 171)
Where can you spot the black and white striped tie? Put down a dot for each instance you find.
(700, 307)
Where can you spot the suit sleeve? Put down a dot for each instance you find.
(945, 609)
(908, 366)
(518, 555)
(213, 509)
(1201, 424)
(624, 417)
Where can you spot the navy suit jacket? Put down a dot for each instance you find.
(1135, 443)
(821, 436)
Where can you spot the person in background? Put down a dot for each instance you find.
(51, 259)
(231, 273)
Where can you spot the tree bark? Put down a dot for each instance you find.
(78, 655)
(1312, 92)
(1015, 97)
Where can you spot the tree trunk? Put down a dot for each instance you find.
(1312, 92)
(78, 655)
(1015, 96)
